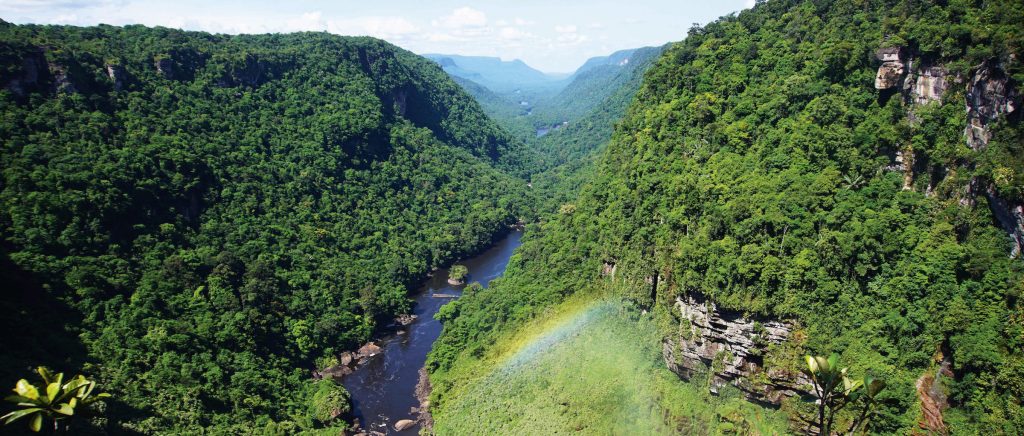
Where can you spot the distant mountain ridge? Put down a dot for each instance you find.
(620, 58)
(493, 72)
(596, 80)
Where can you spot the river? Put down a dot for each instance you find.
(383, 390)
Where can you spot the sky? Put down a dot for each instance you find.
(554, 36)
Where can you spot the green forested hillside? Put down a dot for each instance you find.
(758, 167)
(603, 92)
(595, 95)
(595, 98)
(597, 86)
(194, 219)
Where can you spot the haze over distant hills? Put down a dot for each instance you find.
(531, 103)
(493, 72)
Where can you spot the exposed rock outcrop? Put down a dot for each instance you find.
(117, 75)
(1010, 217)
(927, 85)
(400, 98)
(732, 347)
(423, 389)
(165, 67)
(405, 319)
(989, 96)
(347, 362)
(30, 75)
(336, 372)
(62, 83)
(892, 68)
(368, 350)
(252, 71)
(933, 399)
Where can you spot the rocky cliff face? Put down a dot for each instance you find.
(927, 85)
(116, 74)
(731, 349)
(892, 68)
(1011, 218)
(33, 68)
(919, 83)
(990, 95)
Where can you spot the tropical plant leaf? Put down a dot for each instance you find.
(74, 389)
(52, 390)
(20, 399)
(36, 423)
(875, 386)
(18, 414)
(65, 409)
(45, 373)
(812, 365)
(823, 365)
(26, 389)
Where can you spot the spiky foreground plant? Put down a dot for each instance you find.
(57, 403)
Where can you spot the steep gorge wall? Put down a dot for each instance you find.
(990, 95)
(730, 348)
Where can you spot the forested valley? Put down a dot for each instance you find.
(196, 220)
(201, 224)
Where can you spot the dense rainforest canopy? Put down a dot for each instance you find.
(193, 219)
(197, 222)
(760, 167)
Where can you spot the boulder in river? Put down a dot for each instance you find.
(404, 424)
(368, 350)
(335, 372)
(405, 319)
(347, 358)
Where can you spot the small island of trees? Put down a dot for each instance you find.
(457, 275)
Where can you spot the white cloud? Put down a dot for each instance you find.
(749, 4)
(513, 34)
(389, 28)
(570, 39)
(309, 21)
(464, 17)
(442, 37)
(522, 22)
(67, 19)
(37, 5)
(567, 35)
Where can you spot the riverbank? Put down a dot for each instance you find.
(384, 386)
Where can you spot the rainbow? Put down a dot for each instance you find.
(551, 333)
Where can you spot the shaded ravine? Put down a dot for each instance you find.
(383, 389)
